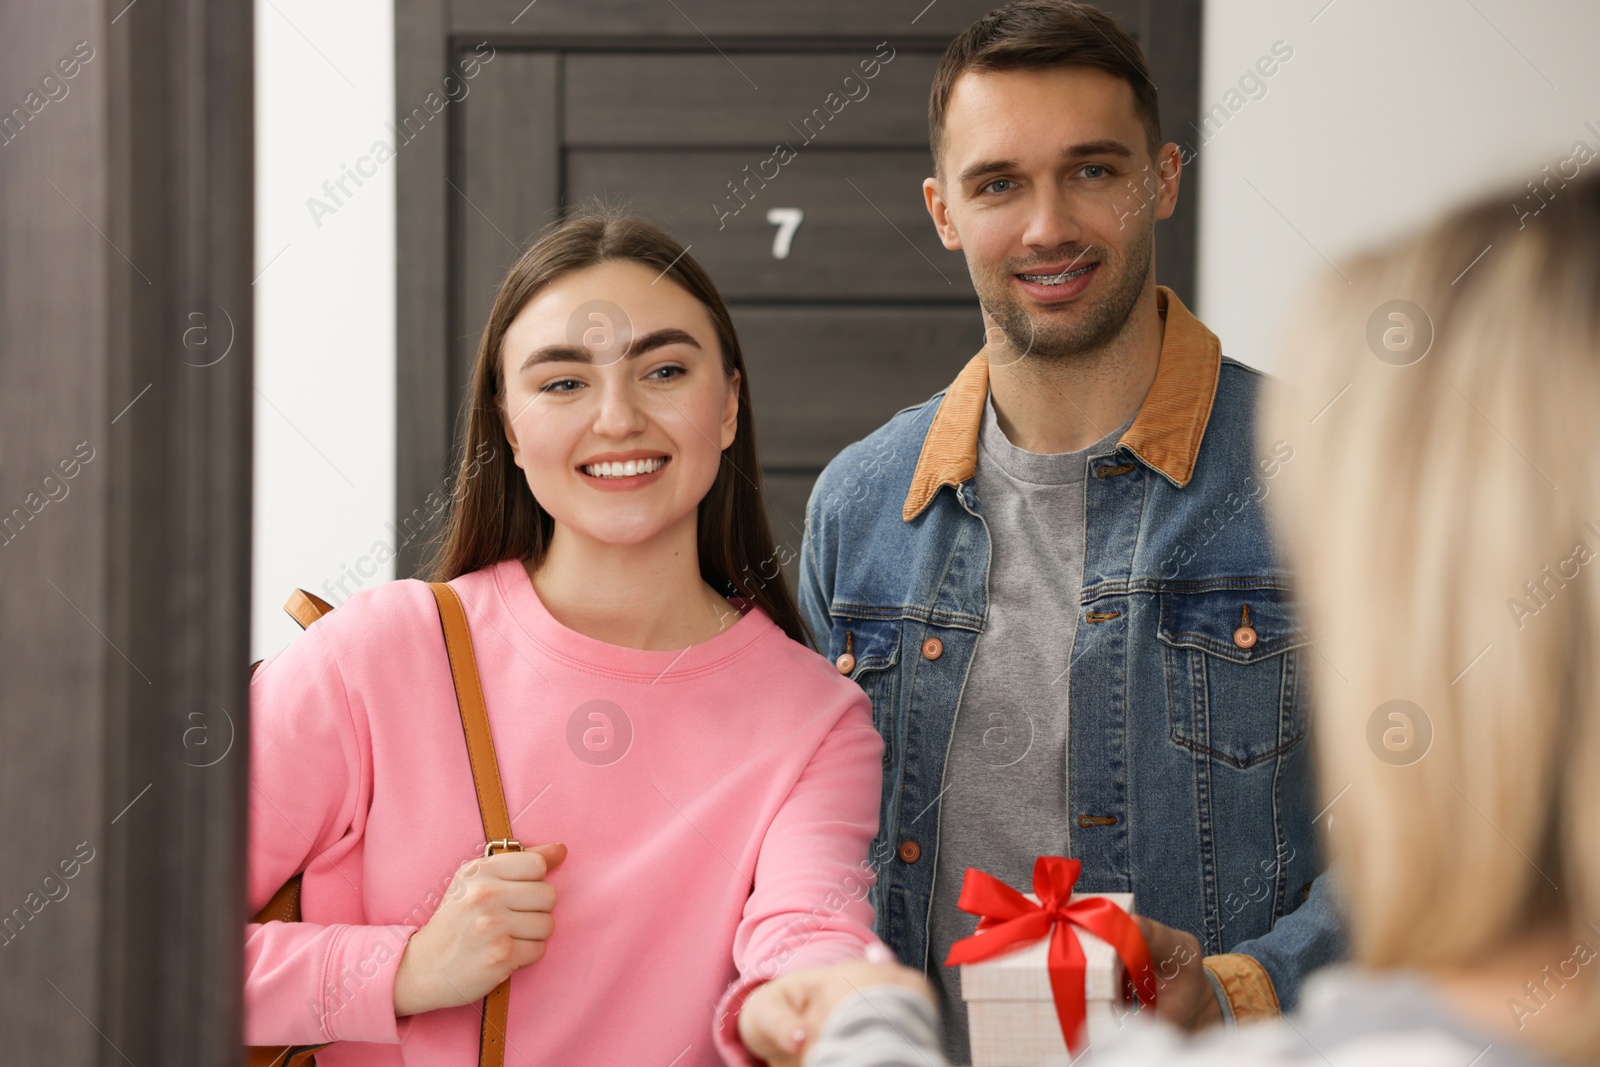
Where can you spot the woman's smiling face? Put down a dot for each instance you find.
(616, 406)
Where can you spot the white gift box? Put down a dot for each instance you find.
(1011, 1011)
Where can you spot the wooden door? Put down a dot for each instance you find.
(786, 147)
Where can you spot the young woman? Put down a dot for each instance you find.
(696, 790)
(1443, 518)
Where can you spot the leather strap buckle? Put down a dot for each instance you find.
(505, 844)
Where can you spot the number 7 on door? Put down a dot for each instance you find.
(787, 220)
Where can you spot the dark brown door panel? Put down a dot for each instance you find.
(749, 99)
(822, 378)
(864, 235)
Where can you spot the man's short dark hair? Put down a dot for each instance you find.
(1044, 35)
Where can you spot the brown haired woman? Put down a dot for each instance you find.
(702, 787)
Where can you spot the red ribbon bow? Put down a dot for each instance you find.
(1011, 919)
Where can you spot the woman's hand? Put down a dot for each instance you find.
(782, 1017)
(494, 921)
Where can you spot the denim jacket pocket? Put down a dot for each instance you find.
(875, 645)
(1232, 672)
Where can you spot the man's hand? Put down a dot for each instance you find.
(782, 1017)
(1184, 995)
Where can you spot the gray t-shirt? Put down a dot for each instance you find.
(1005, 779)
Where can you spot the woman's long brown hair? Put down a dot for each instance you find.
(493, 515)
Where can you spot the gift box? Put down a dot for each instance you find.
(1044, 974)
(1011, 1008)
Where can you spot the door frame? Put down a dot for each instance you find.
(126, 396)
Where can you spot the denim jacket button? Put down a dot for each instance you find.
(1245, 637)
(932, 648)
(910, 851)
(846, 663)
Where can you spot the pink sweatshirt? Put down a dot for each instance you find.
(718, 815)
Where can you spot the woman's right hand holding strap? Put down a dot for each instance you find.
(495, 920)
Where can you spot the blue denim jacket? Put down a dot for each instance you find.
(1189, 764)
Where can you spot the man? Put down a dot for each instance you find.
(1054, 579)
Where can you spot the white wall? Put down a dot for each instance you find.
(325, 314)
(1389, 111)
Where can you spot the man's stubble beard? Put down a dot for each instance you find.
(1046, 336)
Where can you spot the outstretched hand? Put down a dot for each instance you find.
(781, 1018)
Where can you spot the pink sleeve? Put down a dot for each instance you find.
(310, 785)
(809, 904)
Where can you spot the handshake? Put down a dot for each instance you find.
(781, 1020)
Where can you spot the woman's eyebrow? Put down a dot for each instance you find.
(669, 335)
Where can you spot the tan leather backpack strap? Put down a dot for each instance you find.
(474, 717)
(284, 907)
(305, 608)
(486, 780)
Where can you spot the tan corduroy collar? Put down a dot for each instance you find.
(1165, 434)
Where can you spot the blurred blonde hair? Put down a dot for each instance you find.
(1425, 503)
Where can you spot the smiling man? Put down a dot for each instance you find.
(1058, 586)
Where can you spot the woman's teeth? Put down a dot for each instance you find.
(1057, 279)
(625, 469)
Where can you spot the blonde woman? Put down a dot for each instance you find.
(1442, 514)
